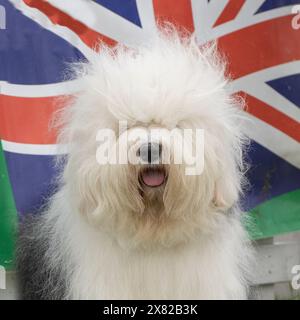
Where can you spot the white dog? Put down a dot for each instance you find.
(144, 231)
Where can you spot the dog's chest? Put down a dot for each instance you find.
(187, 272)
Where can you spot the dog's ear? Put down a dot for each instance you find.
(87, 183)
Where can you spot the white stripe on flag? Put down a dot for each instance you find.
(255, 85)
(33, 149)
(244, 19)
(63, 32)
(274, 140)
(40, 91)
(104, 21)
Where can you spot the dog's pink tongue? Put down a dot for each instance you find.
(153, 178)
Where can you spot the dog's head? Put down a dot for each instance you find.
(155, 141)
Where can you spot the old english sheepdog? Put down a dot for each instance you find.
(146, 226)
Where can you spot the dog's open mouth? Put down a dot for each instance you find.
(153, 176)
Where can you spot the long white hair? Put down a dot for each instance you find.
(172, 83)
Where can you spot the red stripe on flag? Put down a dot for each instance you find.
(253, 48)
(26, 120)
(231, 10)
(179, 13)
(87, 35)
(272, 116)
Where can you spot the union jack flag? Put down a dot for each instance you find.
(263, 50)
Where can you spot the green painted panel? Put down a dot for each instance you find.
(8, 217)
(276, 216)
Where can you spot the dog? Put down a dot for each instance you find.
(150, 229)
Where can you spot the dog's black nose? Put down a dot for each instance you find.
(150, 152)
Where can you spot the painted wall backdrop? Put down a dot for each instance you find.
(41, 38)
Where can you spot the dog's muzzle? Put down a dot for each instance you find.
(150, 153)
(153, 174)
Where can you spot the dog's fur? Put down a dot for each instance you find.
(105, 235)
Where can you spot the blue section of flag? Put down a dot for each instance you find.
(30, 54)
(32, 180)
(269, 176)
(124, 8)
(274, 4)
(288, 87)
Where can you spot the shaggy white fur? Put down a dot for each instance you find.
(115, 238)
